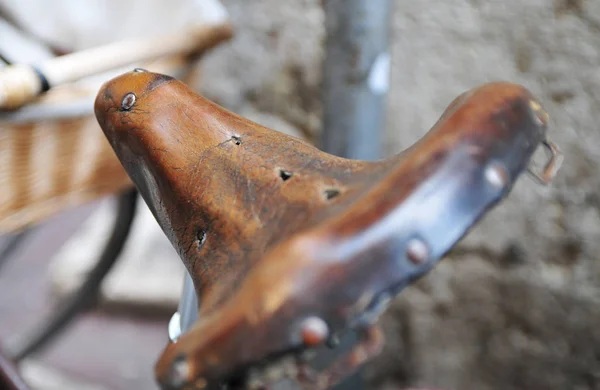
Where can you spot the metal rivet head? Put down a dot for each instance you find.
(139, 70)
(128, 101)
(180, 372)
(496, 175)
(200, 383)
(417, 251)
(313, 331)
(540, 116)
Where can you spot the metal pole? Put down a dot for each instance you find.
(188, 305)
(355, 85)
(356, 77)
(187, 311)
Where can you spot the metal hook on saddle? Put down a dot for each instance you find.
(552, 166)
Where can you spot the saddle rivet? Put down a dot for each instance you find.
(180, 372)
(128, 102)
(417, 251)
(314, 331)
(139, 70)
(200, 383)
(496, 175)
(540, 116)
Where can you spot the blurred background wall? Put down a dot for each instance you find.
(516, 305)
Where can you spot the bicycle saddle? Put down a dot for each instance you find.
(289, 246)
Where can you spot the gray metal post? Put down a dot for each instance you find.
(355, 85)
(356, 76)
(187, 312)
(188, 305)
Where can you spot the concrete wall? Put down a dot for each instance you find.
(517, 305)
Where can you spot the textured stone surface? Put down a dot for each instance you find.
(515, 306)
(273, 64)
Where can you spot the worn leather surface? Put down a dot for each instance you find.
(275, 231)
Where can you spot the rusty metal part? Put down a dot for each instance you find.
(252, 215)
(551, 167)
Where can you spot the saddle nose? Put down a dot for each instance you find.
(123, 93)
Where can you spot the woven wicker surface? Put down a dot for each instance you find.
(51, 162)
(49, 165)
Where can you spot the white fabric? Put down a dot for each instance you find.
(76, 24)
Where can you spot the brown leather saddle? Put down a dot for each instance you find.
(289, 246)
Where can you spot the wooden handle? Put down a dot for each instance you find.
(19, 84)
(288, 245)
